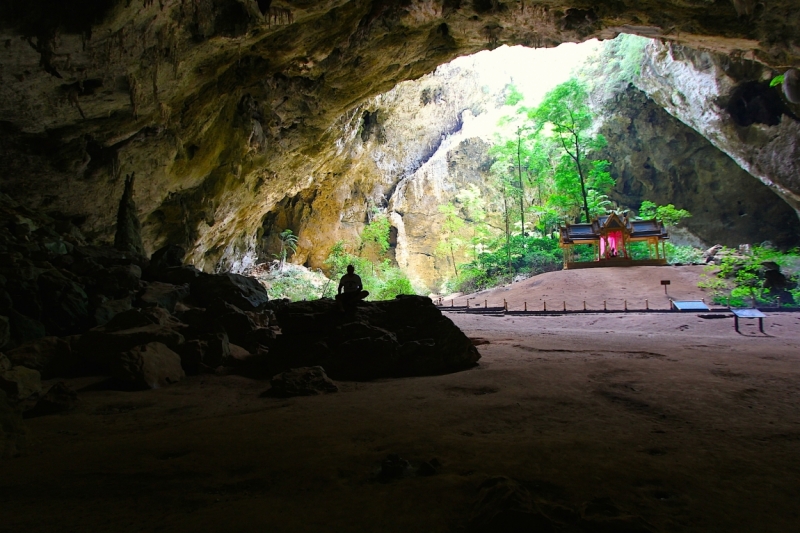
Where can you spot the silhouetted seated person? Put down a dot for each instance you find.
(351, 290)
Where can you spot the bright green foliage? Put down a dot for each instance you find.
(566, 111)
(380, 278)
(667, 214)
(529, 256)
(514, 96)
(392, 283)
(452, 227)
(541, 177)
(739, 279)
(682, 254)
(376, 234)
(288, 242)
(295, 283)
(777, 80)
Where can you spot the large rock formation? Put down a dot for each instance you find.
(224, 108)
(730, 102)
(658, 158)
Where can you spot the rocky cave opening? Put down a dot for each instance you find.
(153, 151)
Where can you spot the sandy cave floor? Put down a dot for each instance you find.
(673, 417)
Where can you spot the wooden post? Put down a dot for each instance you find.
(626, 305)
(647, 305)
(565, 306)
(526, 306)
(453, 303)
(605, 308)
(545, 306)
(485, 304)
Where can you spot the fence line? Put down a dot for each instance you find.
(555, 307)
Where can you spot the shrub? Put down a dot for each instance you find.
(740, 278)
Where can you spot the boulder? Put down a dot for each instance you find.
(776, 284)
(20, 383)
(162, 317)
(108, 309)
(237, 323)
(132, 318)
(148, 366)
(59, 398)
(245, 293)
(306, 381)
(65, 305)
(710, 254)
(104, 256)
(163, 295)
(365, 358)
(23, 328)
(118, 281)
(207, 352)
(103, 346)
(407, 336)
(180, 275)
(51, 356)
(170, 255)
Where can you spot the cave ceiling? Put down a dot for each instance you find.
(224, 107)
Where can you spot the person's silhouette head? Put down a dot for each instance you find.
(351, 269)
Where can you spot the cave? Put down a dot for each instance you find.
(151, 151)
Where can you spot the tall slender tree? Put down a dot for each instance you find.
(566, 109)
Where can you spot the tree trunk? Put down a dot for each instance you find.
(508, 229)
(580, 175)
(521, 186)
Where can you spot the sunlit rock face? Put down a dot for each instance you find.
(224, 108)
(405, 152)
(732, 105)
(658, 158)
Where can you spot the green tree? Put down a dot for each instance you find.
(288, 242)
(565, 109)
(668, 214)
(452, 227)
(375, 234)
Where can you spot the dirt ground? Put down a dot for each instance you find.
(672, 417)
(597, 288)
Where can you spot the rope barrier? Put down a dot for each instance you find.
(587, 307)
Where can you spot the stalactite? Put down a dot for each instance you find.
(133, 90)
(277, 15)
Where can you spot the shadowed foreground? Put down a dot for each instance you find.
(672, 419)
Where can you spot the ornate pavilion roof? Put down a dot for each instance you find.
(636, 229)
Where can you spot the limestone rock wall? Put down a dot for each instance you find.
(224, 108)
(729, 102)
(658, 158)
(404, 153)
